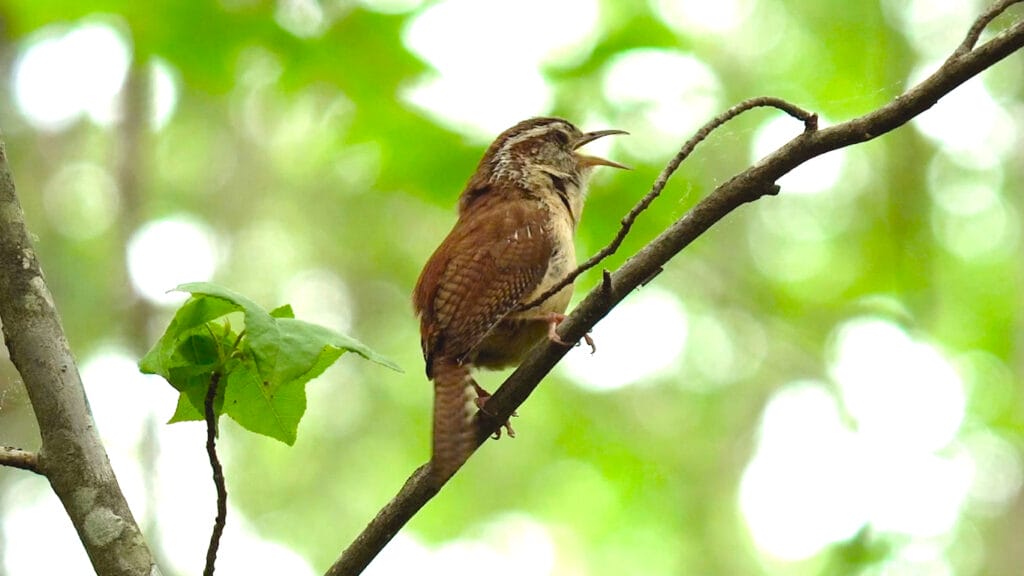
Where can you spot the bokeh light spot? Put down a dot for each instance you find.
(669, 92)
(303, 18)
(640, 339)
(819, 475)
(797, 494)
(916, 558)
(32, 514)
(391, 6)
(899, 390)
(999, 472)
(458, 103)
(478, 91)
(113, 382)
(933, 27)
(320, 296)
(62, 75)
(914, 493)
(165, 253)
(509, 545)
(816, 175)
(719, 17)
(968, 123)
(970, 217)
(112, 379)
(165, 92)
(973, 222)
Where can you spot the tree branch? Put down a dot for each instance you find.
(18, 458)
(980, 24)
(218, 475)
(747, 186)
(75, 461)
(810, 124)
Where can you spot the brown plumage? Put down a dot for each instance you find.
(513, 240)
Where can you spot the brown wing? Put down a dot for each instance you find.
(492, 259)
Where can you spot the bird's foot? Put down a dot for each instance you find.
(554, 319)
(481, 399)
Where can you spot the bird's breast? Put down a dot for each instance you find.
(514, 335)
(562, 262)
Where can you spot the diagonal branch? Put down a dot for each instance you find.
(809, 119)
(23, 459)
(748, 186)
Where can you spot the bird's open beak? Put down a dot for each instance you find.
(594, 160)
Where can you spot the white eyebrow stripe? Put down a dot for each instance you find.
(531, 133)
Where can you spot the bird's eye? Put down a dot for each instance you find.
(562, 138)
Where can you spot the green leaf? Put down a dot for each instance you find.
(264, 334)
(189, 319)
(188, 353)
(264, 378)
(192, 401)
(200, 349)
(185, 411)
(260, 327)
(283, 311)
(263, 407)
(300, 333)
(275, 405)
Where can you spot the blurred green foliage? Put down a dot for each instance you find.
(300, 155)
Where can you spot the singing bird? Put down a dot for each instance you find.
(513, 240)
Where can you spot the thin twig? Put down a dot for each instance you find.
(22, 459)
(809, 119)
(752, 183)
(218, 476)
(980, 24)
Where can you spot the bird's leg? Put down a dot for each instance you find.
(481, 399)
(554, 319)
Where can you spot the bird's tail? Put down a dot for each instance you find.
(454, 436)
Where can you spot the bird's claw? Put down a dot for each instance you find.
(481, 400)
(554, 319)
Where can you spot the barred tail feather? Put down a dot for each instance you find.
(453, 434)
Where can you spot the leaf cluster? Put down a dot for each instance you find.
(263, 367)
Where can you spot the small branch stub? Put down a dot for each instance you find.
(21, 459)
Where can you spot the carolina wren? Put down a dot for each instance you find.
(512, 241)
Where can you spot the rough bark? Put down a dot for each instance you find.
(71, 455)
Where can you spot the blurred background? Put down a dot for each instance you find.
(826, 383)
